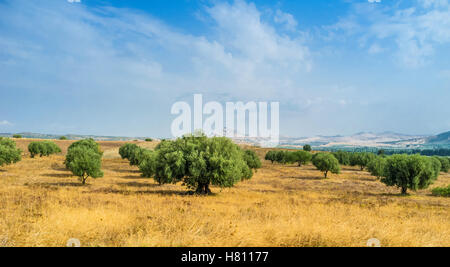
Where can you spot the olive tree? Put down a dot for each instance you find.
(252, 159)
(85, 162)
(445, 163)
(43, 148)
(343, 157)
(361, 159)
(199, 161)
(300, 157)
(326, 162)
(89, 144)
(126, 150)
(409, 172)
(307, 148)
(147, 164)
(270, 155)
(9, 154)
(376, 166)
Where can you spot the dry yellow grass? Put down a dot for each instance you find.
(41, 204)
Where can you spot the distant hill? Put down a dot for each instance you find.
(74, 137)
(443, 138)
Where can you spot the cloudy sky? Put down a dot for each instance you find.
(115, 67)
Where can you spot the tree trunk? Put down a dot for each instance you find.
(404, 190)
(326, 174)
(203, 189)
(83, 179)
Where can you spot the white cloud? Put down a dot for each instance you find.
(5, 123)
(115, 49)
(286, 19)
(374, 1)
(74, 1)
(414, 31)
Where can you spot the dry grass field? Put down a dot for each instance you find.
(42, 204)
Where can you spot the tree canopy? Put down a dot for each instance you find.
(199, 161)
(326, 162)
(410, 172)
(9, 154)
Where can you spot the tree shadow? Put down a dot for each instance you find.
(123, 171)
(308, 178)
(69, 184)
(131, 177)
(58, 175)
(160, 192)
(139, 185)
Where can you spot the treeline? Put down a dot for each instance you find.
(197, 161)
(404, 171)
(444, 152)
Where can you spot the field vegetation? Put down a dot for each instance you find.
(42, 202)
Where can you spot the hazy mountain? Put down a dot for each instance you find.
(443, 138)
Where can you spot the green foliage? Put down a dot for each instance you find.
(63, 138)
(445, 163)
(43, 148)
(270, 155)
(343, 157)
(409, 172)
(361, 159)
(126, 150)
(147, 165)
(326, 162)
(133, 153)
(376, 166)
(17, 136)
(279, 156)
(148, 140)
(199, 162)
(436, 163)
(300, 157)
(441, 191)
(84, 162)
(307, 148)
(9, 154)
(252, 159)
(89, 144)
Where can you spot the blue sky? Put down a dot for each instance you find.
(116, 67)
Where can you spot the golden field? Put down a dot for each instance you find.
(42, 204)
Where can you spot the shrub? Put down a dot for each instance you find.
(17, 136)
(199, 162)
(441, 191)
(148, 140)
(409, 172)
(326, 162)
(84, 162)
(63, 138)
(376, 166)
(9, 154)
(307, 148)
(43, 148)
